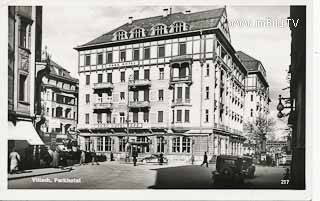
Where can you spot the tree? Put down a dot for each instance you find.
(259, 129)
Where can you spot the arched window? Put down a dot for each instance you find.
(159, 30)
(178, 27)
(137, 33)
(121, 35)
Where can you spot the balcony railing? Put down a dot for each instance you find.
(180, 102)
(139, 104)
(120, 125)
(181, 79)
(103, 85)
(139, 83)
(103, 105)
(227, 129)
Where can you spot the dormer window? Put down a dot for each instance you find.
(159, 30)
(178, 27)
(121, 35)
(137, 33)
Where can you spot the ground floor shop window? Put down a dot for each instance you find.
(87, 143)
(100, 144)
(143, 148)
(107, 143)
(122, 144)
(160, 144)
(186, 145)
(181, 144)
(176, 144)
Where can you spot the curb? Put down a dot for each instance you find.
(33, 175)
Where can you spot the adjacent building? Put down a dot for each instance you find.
(59, 105)
(24, 50)
(169, 84)
(256, 99)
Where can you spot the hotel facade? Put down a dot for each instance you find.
(169, 84)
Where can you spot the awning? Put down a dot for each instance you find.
(24, 130)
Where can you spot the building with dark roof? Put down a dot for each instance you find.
(169, 84)
(59, 104)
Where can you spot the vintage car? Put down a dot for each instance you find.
(231, 169)
(248, 167)
(153, 158)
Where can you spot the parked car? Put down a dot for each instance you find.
(228, 170)
(153, 158)
(248, 167)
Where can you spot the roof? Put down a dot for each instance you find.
(65, 73)
(196, 21)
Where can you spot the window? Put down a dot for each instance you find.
(147, 74)
(99, 143)
(161, 73)
(109, 77)
(161, 95)
(22, 88)
(87, 98)
(207, 92)
(122, 118)
(179, 98)
(178, 27)
(122, 96)
(208, 70)
(182, 72)
(99, 118)
(172, 116)
(122, 56)
(146, 116)
(159, 30)
(23, 35)
(136, 54)
(99, 78)
(136, 75)
(121, 35)
(186, 115)
(160, 144)
(161, 51)
(123, 76)
(176, 144)
(136, 96)
(87, 60)
(87, 118)
(186, 145)
(87, 143)
(187, 93)
(146, 53)
(251, 97)
(52, 112)
(160, 116)
(251, 113)
(146, 95)
(109, 117)
(47, 113)
(137, 33)
(87, 79)
(100, 59)
(182, 49)
(207, 116)
(135, 117)
(122, 144)
(107, 143)
(109, 57)
(179, 115)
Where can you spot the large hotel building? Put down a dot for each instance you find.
(169, 84)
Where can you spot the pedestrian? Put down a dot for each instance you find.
(205, 159)
(111, 156)
(14, 158)
(55, 159)
(83, 158)
(192, 159)
(161, 158)
(94, 158)
(134, 154)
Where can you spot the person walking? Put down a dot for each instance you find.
(161, 158)
(55, 159)
(94, 158)
(134, 155)
(14, 158)
(205, 159)
(83, 158)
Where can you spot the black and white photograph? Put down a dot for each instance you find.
(156, 97)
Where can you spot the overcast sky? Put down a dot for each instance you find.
(66, 27)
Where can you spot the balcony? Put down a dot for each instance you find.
(139, 83)
(102, 105)
(181, 102)
(133, 125)
(139, 104)
(103, 85)
(186, 79)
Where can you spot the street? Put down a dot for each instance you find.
(115, 175)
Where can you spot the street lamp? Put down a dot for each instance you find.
(281, 107)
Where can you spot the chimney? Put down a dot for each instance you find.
(165, 12)
(188, 11)
(130, 20)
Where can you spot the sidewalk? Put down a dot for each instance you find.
(38, 172)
